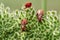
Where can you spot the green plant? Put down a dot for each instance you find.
(10, 25)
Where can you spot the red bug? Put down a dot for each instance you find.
(39, 18)
(28, 5)
(24, 22)
(39, 14)
(23, 27)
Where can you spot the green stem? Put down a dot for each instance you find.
(44, 5)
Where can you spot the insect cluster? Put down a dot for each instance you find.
(39, 15)
(27, 24)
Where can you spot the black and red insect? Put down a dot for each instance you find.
(23, 24)
(28, 4)
(39, 15)
(23, 27)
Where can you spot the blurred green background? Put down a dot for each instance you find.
(16, 4)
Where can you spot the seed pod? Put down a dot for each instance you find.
(24, 22)
(28, 5)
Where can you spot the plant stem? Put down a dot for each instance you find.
(44, 5)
